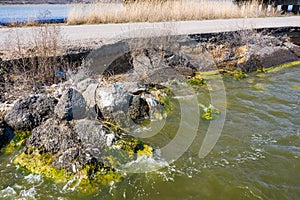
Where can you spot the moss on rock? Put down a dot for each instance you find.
(93, 176)
(126, 150)
(17, 142)
(283, 66)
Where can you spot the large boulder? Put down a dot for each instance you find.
(115, 103)
(30, 111)
(273, 56)
(72, 144)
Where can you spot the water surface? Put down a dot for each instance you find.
(256, 157)
(21, 13)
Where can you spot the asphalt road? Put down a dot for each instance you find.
(85, 34)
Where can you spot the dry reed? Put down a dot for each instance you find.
(36, 62)
(178, 10)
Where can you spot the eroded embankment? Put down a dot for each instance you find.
(83, 128)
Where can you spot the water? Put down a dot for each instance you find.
(21, 13)
(256, 157)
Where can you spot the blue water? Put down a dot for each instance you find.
(40, 13)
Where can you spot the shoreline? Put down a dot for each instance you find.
(132, 73)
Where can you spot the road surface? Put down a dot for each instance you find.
(88, 34)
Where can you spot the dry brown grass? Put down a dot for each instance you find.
(37, 61)
(176, 10)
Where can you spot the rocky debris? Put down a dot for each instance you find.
(71, 105)
(254, 58)
(83, 85)
(251, 51)
(89, 97)
(293, 48)
(30, 111)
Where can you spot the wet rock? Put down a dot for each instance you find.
(6, 133)
(72, 144)
(71, 105)
(30, 111)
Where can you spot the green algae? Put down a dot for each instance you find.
(87, 180)
(238, 75)
(126, 150)
(210, 113)
(164, 98)
(41, 164)
(17, 142)
(196, 81)
(215, 74)
(92, 177)
(280, 67)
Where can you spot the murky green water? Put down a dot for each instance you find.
(256, 157)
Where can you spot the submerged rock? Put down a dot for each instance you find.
(30, 111)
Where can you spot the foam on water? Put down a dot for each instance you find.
(33, 179)
(144, 164)
(30, 193)
(7, 192)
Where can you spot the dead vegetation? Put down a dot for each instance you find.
(157, 11)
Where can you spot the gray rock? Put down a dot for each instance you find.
(117, 104)
(272, 56)
(72, 144)
(71, 105)
(293, 48)
(30, 111)
(113, 103)
(84, 84)
(162, 75)
(141, 64)
(52, 136)
(89, 96)
(94, 137)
